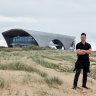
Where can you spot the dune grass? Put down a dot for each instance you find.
(53, 80)
(93, 73)
(47, 64)
(4, 83)
(41, 61)
(22, 67)
(39, 56)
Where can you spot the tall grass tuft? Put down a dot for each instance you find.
(23, 67)
(92, 73)
(53, 80)
(44, 63)
(41, 61)
(4, 83)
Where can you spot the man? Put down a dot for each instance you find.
(83, 50)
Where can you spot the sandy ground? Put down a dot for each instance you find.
(21, 83)
(68, 82)
(37, 87)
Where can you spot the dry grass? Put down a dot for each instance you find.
(41, 72)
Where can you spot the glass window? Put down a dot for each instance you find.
(23, 39)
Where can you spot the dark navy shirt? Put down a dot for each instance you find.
(83, 61)
(85, 57)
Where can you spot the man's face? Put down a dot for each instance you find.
(83, 38)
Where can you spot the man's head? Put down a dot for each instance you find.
(83, 37)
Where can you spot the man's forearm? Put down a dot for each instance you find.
(81, 52)
(86, 51)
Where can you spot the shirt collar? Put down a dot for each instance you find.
(82, 43)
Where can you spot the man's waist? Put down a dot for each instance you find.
(83, 60)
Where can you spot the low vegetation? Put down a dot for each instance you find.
(22, 67)
(53, 80)
(35, 65)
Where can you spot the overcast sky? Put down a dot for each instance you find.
(69, 17)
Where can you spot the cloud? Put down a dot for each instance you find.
(17, 19)
(3, 43)
(69, 17)
(93, 45)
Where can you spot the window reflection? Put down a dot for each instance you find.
(22, 39)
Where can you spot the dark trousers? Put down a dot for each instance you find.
(76, 77)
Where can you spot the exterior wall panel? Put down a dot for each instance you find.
(43, 39)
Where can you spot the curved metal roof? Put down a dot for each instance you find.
(42, 38)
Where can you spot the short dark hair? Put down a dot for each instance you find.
(83, 34)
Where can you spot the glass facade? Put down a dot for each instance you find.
(22, 40)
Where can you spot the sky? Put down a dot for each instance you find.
(67, 17)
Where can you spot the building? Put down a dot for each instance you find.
(42, 39)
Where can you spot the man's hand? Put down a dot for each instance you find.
(82, 52)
